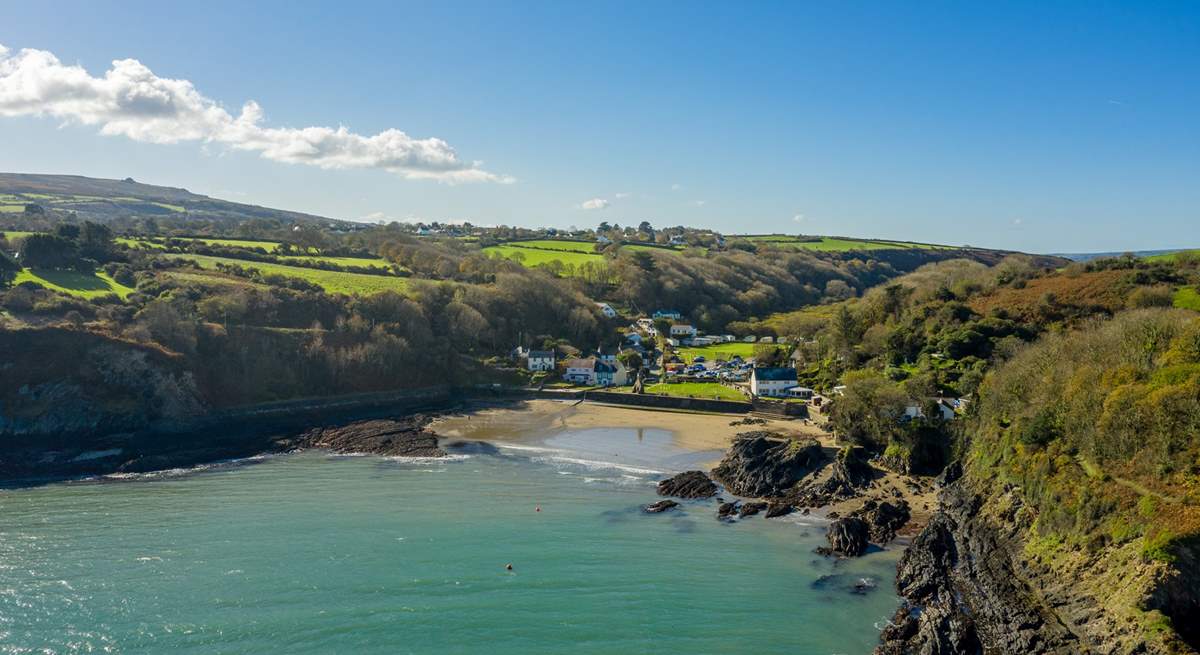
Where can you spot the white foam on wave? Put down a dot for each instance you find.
(180, 471)
(595, 465)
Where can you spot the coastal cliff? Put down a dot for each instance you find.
(973, 582)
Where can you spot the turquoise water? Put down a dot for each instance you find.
(313, 553)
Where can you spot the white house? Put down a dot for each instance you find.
(767, 340)
(603, 240)
(682, 330)
(773, 381)
(944, 406)
(728, 338)
(677, 240)
(607, 309)
(540, 360)
(581, 371)
(750, 338)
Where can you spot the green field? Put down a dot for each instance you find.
(638, 246)
(535, 256)
(11, 209)
(696, 390)
(1188, 298)
(1172, 256)
(331, 281)
(16, 235)
(831, 244)
(342, 261)
(724, 351)
(75, 284)
(555, 244)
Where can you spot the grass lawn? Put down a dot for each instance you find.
(1188, 298)
(331, 281)
(718, 351)
(697, 390)
(530, 257)
(16, 235)
(81, 285)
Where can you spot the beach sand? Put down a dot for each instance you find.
(665, 440)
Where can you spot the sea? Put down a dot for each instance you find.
(319, 553)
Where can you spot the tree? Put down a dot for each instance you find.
(632, 360)
(49, 251)
(95, 241)
(8, 269)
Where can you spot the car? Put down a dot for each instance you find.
(699, 358)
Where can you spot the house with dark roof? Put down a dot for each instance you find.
(540, 360)
(772, 381)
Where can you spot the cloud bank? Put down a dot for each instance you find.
(594, 203)
(131, 101)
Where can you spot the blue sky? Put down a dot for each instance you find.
(1034, 126)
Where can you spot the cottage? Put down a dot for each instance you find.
(678, 240)
(610, 374)
(682, 330)
(750, 338)
(772, 381)
(943, 407)
(767, 340)
(607, 310)
(540, 360)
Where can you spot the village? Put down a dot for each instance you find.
(662, 355)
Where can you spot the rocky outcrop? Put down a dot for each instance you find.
(967, 589)
(689, 484)
(727, 510)
(660, 506)
(762, 464)
(750, 509)
(883, 518)
(775, 509)
(847, 536)
(848, 476)
(394, 438)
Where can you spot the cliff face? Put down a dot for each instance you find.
(974, 582)
(62, 384)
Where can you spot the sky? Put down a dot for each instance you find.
(1043, 127)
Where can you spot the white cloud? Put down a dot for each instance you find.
(594, 203)
(131, 101)
(799, 218)
(623, 195)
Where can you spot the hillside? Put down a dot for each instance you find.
(104, 200)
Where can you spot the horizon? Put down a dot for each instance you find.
(1053, 129)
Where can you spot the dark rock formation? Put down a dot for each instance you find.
(761, 464)
(963, 594)
(660, 506)
(750, 509)
(727, 510)
(849, 475)
(847, 537)
(406, 438)
(778, 509)
(883, 518)
(689, 484)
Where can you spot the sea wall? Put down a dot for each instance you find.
(648, 400)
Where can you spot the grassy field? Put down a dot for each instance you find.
(342, 261)
(331, 281)
(554, 244)
(1188, 298)
(16, 235)
(1172, 256)
(638, 246)
(718, 351)
(536, 256)
(75, 284)
(831, 244)
(697, 390)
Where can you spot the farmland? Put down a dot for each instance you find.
(834, 244)
(16, 235)
(535, 256)
(1188, 298)
(81, 285)
(331, 281)
(1172, 256)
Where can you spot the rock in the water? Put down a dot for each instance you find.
(762, 464)
(380, 437)
(689, 484)
(778, 509)
(750, 509)
(883, 518)
(660, 506)
(848, 536)
(727, 510)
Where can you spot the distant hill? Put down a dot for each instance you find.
(105, 200)
(1089, 256)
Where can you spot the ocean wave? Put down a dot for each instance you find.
(594, 465)
(179, 471)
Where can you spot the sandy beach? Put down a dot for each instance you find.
(534, 420)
